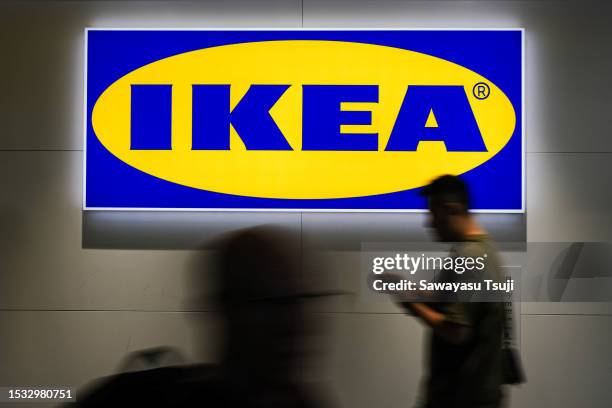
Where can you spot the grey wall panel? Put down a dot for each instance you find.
(321, 231)
(348, 231)
(566, 308)
(567, 360)
(567, 278)
(173, 230)
(42, 45)
(569, 197)
(375, 360)
(567, 55)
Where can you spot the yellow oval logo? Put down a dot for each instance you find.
(309, 119)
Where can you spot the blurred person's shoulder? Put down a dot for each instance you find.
(481, 247)
(475, 245)
(174, 386)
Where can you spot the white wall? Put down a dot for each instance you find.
(79, 291)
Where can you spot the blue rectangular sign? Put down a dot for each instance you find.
(302, 120)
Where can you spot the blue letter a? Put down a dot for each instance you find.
(457, 126)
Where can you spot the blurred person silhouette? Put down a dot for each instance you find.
(265, 340)
(269, 335)
(465, 358)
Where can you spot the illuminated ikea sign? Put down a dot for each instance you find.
(307, 120)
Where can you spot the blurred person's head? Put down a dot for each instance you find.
(448, 202)
(260, 296)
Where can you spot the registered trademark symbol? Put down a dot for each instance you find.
(481, 91)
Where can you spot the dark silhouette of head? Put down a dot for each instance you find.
(260, 296)
(448, 201)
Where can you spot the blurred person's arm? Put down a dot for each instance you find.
(453, 325)
(453, 329)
